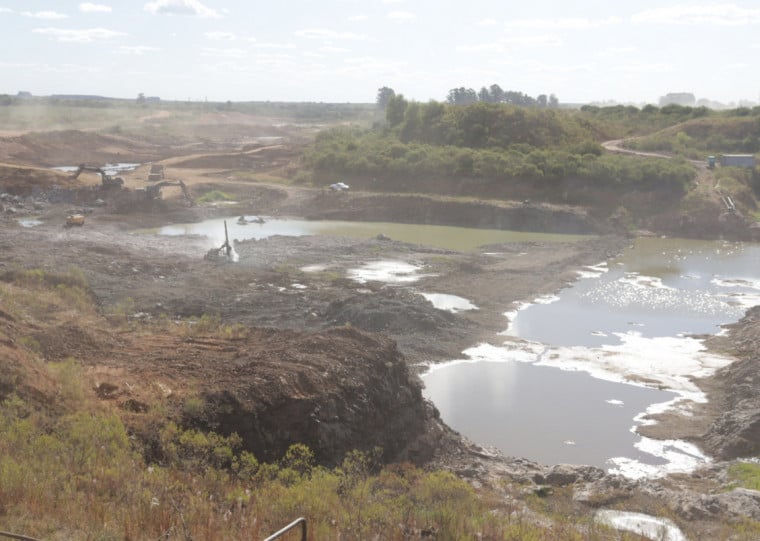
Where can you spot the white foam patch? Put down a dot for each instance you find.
(546, 299)
(615, 402)
(594, 271)
(449, 303)
(680, 457)
(642, 281)
(655, 528)
(667, 363)
(314, 268)
(298, 286)
(397, 272)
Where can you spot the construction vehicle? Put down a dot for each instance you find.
(156, 173)
(74, 220)
(224, 252)
(153, 191)
(107, 181)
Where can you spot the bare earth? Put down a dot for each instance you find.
(326, 360)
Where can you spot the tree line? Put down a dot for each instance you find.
(491, 94)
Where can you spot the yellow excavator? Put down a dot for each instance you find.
(106, 180)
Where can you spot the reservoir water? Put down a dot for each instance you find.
(452, 238)
(577, 370)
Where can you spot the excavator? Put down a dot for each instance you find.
(153, 191)
(107, 181)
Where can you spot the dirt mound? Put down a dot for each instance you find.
(26, 180)
(72, 147)
(396, 311)
(258, 159)
(335, 391)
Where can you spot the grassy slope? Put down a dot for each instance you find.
(70, 468)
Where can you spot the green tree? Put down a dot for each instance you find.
(384, 96)
(394, 111)
(462, 96)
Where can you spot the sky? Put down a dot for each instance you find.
(345, 50)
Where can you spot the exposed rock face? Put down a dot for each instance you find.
(736, 432)
(334, 391)
(567, 474)
(605, 491)
(740, 503)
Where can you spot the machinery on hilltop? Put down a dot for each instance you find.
(106, 180)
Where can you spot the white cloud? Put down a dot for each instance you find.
(401, 16)
(80, 36)
(616, 51)
(573, 23)
(653, 67)
(358, 18)
(314, 33)
(487, 22)
(220, 36)
(47, 15)
(511, 42)
(274, 45)
(481, 48)
(87, 7)
(6, 10)
(180, 7)
(48, 68)
(137, 49)
(333, 49)
(709, 14)
(224, 53)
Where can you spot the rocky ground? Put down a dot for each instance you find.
(329, 361)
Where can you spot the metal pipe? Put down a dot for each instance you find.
(296, 522)
(17, 536)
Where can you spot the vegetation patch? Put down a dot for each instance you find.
(215, 196)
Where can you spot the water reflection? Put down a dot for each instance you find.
(451, 238)
(556, 392)
(548, 415)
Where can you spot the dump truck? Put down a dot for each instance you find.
(73, 220)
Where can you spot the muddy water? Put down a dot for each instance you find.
(542, 413)
(559, 389)
(452, 238)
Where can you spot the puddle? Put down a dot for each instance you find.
(390, 272)
(449, 303)
(654, 528)
(109, 168)
(30, 222)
